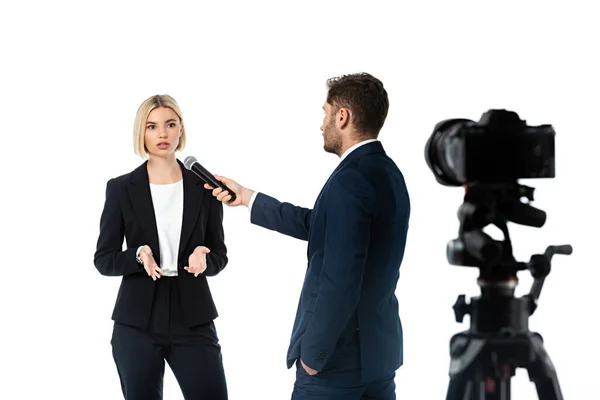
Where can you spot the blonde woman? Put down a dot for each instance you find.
(174, 233)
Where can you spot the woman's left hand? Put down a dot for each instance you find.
(197, 261)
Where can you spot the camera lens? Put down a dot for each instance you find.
(444, 152)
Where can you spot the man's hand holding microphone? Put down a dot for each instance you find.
(224, 189)
(243, 194)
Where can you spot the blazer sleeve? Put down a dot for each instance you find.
(349, 205)
(110, 259)
(281, 217)
(217, 259)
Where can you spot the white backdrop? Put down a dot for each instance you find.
(250, 78)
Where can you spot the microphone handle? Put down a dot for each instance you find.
(211, 180)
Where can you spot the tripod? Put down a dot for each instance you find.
(485, 357)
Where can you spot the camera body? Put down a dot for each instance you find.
(500, 147)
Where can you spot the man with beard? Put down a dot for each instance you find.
(347, 337)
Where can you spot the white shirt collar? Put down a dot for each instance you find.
(357, 145)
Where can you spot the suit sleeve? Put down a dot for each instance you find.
(217, 259)
(348, 216)
(281, 217)
(110, 259)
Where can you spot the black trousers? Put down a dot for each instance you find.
(193, 354)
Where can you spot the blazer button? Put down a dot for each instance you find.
(321, 356)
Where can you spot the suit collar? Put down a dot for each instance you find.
(356, 146)
(369, 148)
(140, 174)
(141, 198)
(366, 148)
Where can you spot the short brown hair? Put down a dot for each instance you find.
(139, 126)
(365, 96)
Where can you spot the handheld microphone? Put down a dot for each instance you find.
(193, 165)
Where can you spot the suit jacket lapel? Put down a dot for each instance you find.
(314, 211)
(193, 194)
(339, 166)
(141, 198)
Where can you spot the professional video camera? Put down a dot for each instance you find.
(488, 157)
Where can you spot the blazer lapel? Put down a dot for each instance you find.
(141, 198)
(317, 203)
(193, 194)
(339, 166)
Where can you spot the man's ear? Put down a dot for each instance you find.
(342, 118)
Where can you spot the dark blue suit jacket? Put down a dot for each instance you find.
(356, 235)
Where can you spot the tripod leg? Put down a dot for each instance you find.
(465, 354)
(542, 372)
(460, 389)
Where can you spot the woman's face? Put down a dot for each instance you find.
(163, 130)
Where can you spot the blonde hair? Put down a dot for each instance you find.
(139, 126)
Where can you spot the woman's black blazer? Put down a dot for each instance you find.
(128, 213)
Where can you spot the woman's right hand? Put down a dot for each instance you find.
(150, 265)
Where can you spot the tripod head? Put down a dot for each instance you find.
(498, 204)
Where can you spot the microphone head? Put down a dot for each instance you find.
(189, 161)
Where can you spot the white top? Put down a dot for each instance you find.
(168, 209)
(348, 151)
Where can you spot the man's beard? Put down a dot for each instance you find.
(333, 139)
